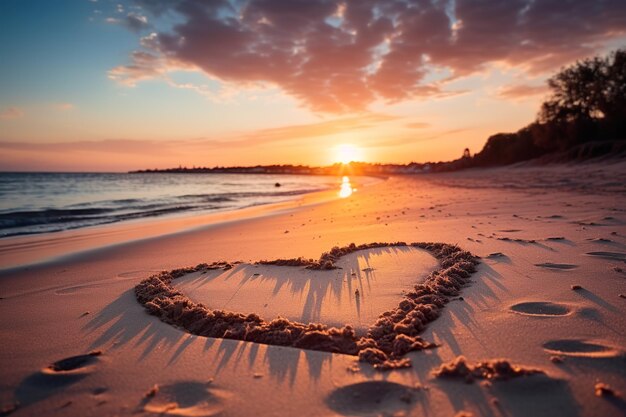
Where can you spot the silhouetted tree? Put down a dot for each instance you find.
(590, 89)
(588, 102)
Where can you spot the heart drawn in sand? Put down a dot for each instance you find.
(393, 334)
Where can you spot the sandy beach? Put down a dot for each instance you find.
(313, 208)
(547, 296)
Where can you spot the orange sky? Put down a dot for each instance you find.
(132, 85)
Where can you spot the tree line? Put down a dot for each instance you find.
(584, 114)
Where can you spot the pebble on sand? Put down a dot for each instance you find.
(604, 390)
(152, 392)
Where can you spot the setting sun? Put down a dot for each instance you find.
(345, 153)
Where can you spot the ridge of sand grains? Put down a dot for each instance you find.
(393, 335)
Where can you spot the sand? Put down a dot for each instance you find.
(390, 336)
(75, 341)
(315, 296)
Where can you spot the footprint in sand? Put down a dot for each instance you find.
(617, 256)
(371, 398)
(551, 265)
(550, 396)
(581, 348)
(73, 363)
(53, 378)
(540, 309)
(186, 398)
(497, 255)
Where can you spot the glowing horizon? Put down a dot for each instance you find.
(135, 84)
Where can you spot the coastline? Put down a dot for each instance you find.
(520, 307)
(24, 250)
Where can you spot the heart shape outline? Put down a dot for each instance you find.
(393, 335)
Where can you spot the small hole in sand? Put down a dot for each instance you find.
(186, 398)
(371, 398)
(73, 363)
(551, 265)
(540, 308)
(580, 348)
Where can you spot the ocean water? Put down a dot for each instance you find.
(49, 202)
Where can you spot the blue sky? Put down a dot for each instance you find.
(53, 52)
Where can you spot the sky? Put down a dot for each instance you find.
(99, 85)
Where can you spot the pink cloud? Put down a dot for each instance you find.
(522, 91)
(138, 153)
(143, 66)
(244, 139)
(340, 56)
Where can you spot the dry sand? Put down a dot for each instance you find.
(76, 342)
(305, 295)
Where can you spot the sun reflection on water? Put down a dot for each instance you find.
(346, 188)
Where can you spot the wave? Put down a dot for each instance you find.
(29, 218)
(231, 196)
(110, 202)
(80, 215)
(211, 198)
(95, 215)
(42, 203)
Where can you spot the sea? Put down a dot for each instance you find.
(33, 203)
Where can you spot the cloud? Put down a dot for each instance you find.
(522, 91)
(259, 137)
(405, 140)
(11, 113)
(342, 55)
(115, 146)
(417, 125)
(63, 106)
(143, 66)
(134, 21)
(311, 130)
(436, 135)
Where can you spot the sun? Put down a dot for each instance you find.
(346, 153)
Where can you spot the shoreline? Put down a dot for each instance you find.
(26, 250)
(545, 297)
